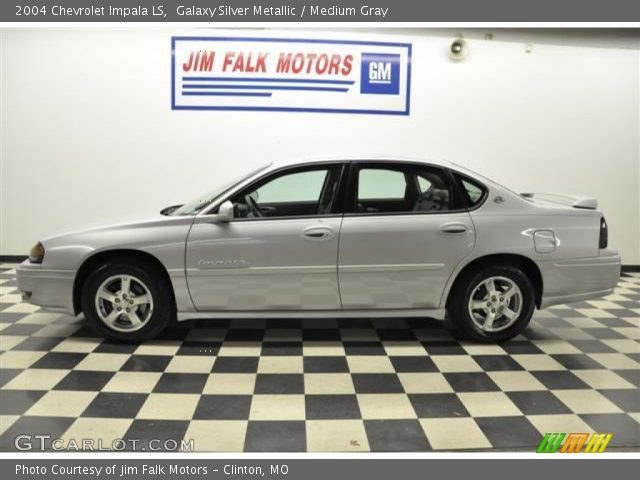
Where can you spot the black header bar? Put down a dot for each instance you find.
(224, 11)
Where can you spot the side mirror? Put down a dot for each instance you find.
(169, 210)
(225, 212)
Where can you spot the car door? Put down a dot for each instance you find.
(280, 250)
(404, 231)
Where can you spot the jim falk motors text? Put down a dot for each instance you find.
(227, 469)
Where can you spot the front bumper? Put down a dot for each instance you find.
(48, 288)
(578, 279)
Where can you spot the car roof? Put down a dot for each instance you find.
(373, 157)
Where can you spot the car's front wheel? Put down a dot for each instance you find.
(127, 301)
(492, 304)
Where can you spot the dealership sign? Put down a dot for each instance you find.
(282, 74)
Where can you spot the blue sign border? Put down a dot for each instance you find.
(289, 109)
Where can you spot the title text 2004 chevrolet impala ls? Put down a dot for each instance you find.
(347, 238)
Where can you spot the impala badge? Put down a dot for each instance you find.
(232, 263)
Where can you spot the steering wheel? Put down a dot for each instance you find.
(253, 206)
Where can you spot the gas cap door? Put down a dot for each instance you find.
(544, 241)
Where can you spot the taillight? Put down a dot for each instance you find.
(604, 234)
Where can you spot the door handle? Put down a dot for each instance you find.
(453, 229)
(318, 233)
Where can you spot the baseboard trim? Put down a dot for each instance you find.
(22, 258)
(13, 258)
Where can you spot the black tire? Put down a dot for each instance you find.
(155, 282)
(458, 305)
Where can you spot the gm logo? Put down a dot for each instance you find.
(380, 73)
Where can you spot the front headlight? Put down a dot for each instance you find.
(37, 253)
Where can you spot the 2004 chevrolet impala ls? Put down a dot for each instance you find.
(339, 238)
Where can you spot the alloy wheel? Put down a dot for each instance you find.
(124, 303)
(495, 304)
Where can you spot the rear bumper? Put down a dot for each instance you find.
(578, 279)
(50, 289)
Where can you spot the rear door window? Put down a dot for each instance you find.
(403, 188)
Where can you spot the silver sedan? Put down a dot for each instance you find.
(336, 238)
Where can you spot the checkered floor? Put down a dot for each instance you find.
(324, 385)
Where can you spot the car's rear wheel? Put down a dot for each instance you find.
(126, 300)
(492, 304)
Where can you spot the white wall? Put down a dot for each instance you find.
(87, 131)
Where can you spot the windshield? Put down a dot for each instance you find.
(198, 204)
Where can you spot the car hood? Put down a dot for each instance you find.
(118, 223)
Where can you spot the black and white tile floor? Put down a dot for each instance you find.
(324, 385)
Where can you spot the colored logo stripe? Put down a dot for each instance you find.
(229, 94)
(276, 80)
(267, 87)
(598, 442)
(574, 442)
(550, 443)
